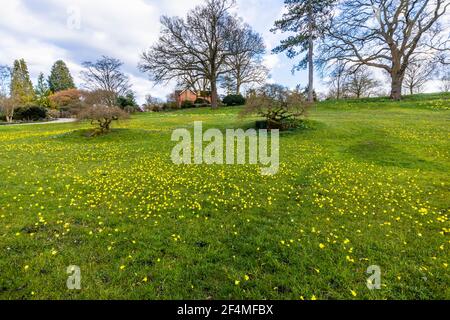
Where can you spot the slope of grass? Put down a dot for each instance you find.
(367, 185)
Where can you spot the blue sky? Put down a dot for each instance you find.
(44, 31)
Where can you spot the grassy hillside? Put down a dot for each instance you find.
(366, 184)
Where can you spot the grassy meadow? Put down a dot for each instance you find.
(366, 182)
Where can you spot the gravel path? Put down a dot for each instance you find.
(62, 120)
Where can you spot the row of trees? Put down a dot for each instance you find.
(58, 91)
(356, 82)
(403, 38)
(348, 83)
(213, 47)
(210, 46)
(344, 39)
(16, 83)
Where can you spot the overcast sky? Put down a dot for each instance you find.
(44, 31)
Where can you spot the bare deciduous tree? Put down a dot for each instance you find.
(245, 61)
(102, 117)
(8, 105)
(384, 34)
(361, 83)
(98, 97)
(279, 105)
(337, 80)
(152, 104)
(106, 75)
(98, 112)
(197, 45)
(440, 43)
(445, 80)
(195, 82)
(417, 74)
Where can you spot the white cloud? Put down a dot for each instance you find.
(38, 54)
(271, 61)
(40, 33)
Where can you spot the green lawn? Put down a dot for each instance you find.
(367, 184)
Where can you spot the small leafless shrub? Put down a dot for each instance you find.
(102, 117)
(280, 106)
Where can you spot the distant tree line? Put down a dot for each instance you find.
(210, 46)
(57, 95)
(346, 40)
(405, 39)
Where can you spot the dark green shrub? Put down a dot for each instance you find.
(201, 101)
(286, 124)
(128, 100)
(187, 104)
(261, 125)
(170, 106)
(234, 100)
(32, 113)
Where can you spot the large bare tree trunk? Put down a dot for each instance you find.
(214, 95)
(311, 69)
(396, 88)
(9, 115)
(238, 88)
(404, 30)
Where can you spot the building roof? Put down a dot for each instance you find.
(180, 92)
